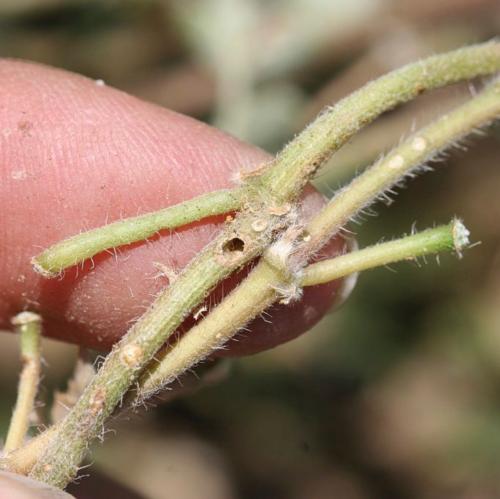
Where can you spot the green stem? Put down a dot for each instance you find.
(453, 236)
(401, 162)
(256, 294)
(240, 242)
(292, 168)
(171, 363)
(29, 329)
(79, 248)
(287, 256)
(337, 124)
(266, 214)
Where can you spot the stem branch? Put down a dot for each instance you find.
(269, 281)
(453, 236)
(28, 326)
(256, 294)
(266, 214)
(338, 123)
(79, 248)
(402, 162)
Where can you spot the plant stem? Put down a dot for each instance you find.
(24, 458)
(258, 291)
(403, 161)
(172, 362)
(247, 301)
(296, 163)
(447, 237)
(238, 243)
(79, 248)
(29, 329)
(338, 123)
(266, 214)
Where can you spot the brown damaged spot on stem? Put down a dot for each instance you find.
(97, 402)
(232, 249)
(132, 355)
(235, 244)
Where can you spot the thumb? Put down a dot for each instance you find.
(75, 154)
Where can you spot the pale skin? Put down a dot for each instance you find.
(75, 154)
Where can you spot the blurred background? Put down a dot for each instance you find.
(395, 395)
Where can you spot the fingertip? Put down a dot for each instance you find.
(88, 155)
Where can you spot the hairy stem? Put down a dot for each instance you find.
(29, 328)
(266, 214)
(23, 459)
(239, 242)
(286, 257)
(296, 163)
(337, 124)
(403, 161)
(77, 249)
(174, 361)
(247, 301)
(237, 308)
(453, 236)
